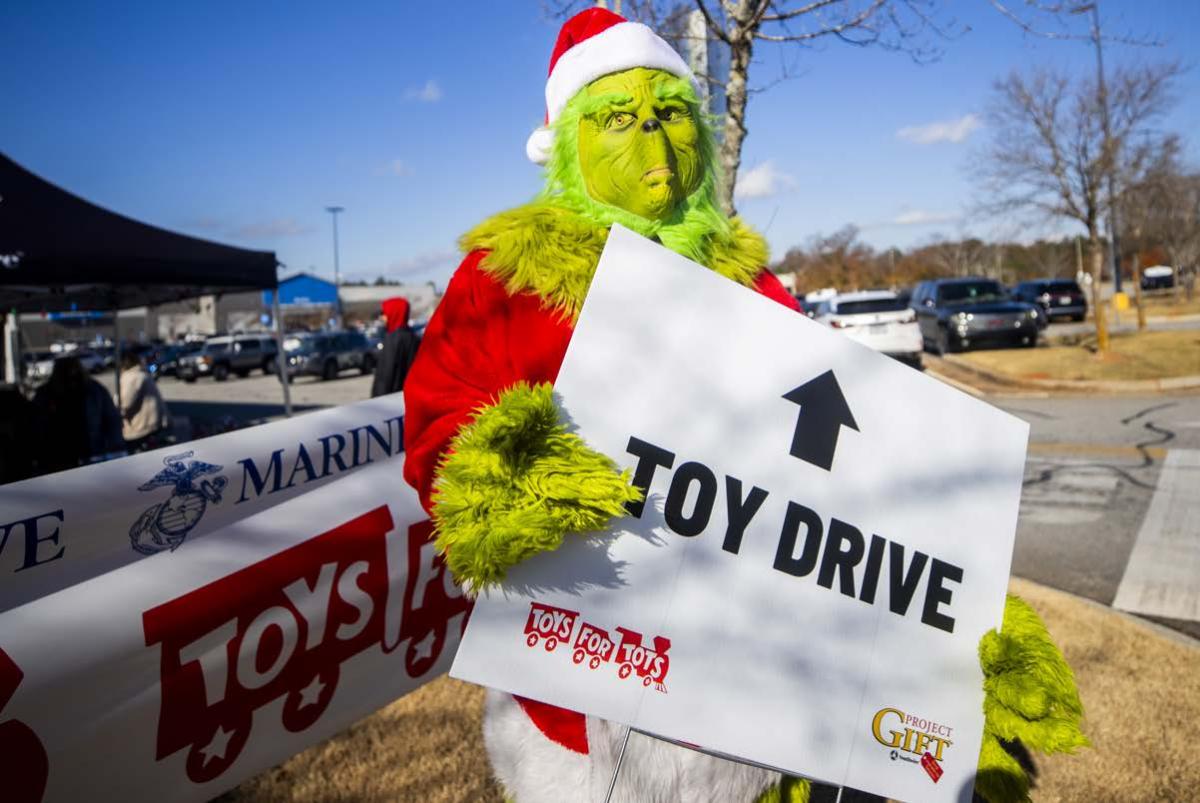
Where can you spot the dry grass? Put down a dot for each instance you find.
(1141, 693)
(424, 747)
(1141, 355)
(1166, 305)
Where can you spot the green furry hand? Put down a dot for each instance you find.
(1029, 696)
(515, 482)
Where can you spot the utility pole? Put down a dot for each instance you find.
(1110, 156)
(337, 272)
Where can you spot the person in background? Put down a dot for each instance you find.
(17, 439)
(79, 421)
(399, 349)
(143, 411)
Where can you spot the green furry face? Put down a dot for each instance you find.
(690, 227)
(639, 143)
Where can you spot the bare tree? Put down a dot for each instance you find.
(916, 27)
(911, 26)
(961, 257)
(835, 260)
(1049, 155)
(1162, 209)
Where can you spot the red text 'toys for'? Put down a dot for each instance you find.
(282, 628)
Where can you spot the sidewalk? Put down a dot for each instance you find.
(1140, 687)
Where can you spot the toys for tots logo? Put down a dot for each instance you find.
(913, 739)
(282, 627)
(551, 626)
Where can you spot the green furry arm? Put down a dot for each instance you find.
(789, 790)
(515, 482)
(1029, 696)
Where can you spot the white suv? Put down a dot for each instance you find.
(876, 318)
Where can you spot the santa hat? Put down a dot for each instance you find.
(592, 44)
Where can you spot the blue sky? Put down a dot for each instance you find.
(241, 121)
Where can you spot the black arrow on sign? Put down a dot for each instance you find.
(823, 412)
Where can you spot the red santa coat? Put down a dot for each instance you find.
(480, 342)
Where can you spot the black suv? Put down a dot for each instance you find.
(225, 355)
(1057, 298)
(327, 354)
(961, 313)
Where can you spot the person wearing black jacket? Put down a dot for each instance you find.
(399, 349)
(77, 418)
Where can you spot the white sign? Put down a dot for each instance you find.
(827, 535)
(179, 675)
(67, 527)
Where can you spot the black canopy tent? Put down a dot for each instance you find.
(59, 252)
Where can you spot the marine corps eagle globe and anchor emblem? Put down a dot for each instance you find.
(165, 525)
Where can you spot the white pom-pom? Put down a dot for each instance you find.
(539, 145)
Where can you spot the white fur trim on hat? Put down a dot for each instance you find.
(622, 47)
(539, 145)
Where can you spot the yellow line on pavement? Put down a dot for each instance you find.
(1098, 450)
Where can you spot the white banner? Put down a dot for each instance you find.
(827, 535)
(180, 674)
(63, 528)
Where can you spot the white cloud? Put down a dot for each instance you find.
(914, 217)
(430, 93)
(422, 263)
(397, 167)
(942, 131)
(253, 230)
(922, 217)
(270, 229)
(762, 181)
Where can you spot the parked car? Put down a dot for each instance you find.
(229, 354)
(963, 313)
(164, 361)
(1057, 298)
(91, 361)
(327, 354)
(38, 365)
(809, 308)
(876, 318)
(1158, 277)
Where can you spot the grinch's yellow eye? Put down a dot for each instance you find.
(671, 113)
(619, 120)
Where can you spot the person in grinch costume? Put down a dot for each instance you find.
(624, 142)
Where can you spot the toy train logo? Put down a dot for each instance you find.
(550, 626)
(165, 525)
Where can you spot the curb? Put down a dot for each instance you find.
(1161, 631)
(1173, 319)
(1111, 386)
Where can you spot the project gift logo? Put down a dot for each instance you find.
(282, 627)
(913, 739)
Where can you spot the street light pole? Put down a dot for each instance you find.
(337, 272)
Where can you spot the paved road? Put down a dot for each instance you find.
(1095, 466)
(1094, 469)
(1127, 323)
